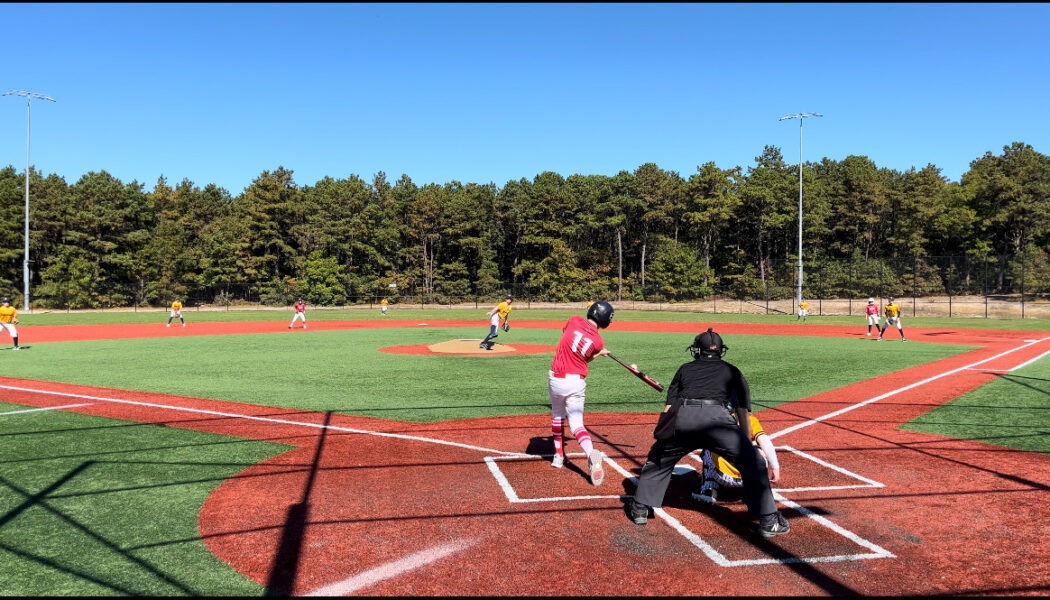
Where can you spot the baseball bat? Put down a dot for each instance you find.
(652, 382)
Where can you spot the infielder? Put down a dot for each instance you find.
(803, 310)
(499, 313)
(300, 313)
(8, 320)
(176, 311)
(872, 310)
(893, 312)
(719, 473)
(567, 387)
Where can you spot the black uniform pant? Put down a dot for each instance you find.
(711, 427)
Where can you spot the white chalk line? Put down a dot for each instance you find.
(215, 413)
(910, 386)
(392, 569)
(708, 550)
(31, 410)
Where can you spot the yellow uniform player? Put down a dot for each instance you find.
(893, 317)
(176, 312)
(803, 310)
(383, 306)
(499, 314)
(8, 320)
(720, 474)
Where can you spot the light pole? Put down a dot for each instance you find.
(25, 260)
(801, 117)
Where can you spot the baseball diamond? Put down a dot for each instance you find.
(381, 507)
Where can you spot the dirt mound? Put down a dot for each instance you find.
(467, 347)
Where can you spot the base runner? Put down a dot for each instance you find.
(8, 320)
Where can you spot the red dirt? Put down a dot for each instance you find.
(960, 517)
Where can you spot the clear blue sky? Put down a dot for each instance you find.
(219, 93)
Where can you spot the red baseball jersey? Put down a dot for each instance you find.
(580, 342)
(300, 307)
(872, 309)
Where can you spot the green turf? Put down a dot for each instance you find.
(521, 312)
(1012, 411)
(103, 507)
(342, 371)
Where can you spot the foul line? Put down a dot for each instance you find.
(845, 410)
(265, 419)
(29, 410)
(392, 569)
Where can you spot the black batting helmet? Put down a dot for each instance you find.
(601, 313)
(708, 343)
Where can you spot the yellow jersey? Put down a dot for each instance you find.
(723, 464)
(176, 305)
(804, 305)
(7, 314)
(384, 302)
(892, 310)
(503, 309)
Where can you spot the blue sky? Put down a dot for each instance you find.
(219, 93)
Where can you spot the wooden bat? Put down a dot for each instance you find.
(652, 382)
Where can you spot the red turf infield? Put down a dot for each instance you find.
(382, 515)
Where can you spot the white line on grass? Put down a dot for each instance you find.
(265, 419)
(392, 569)
(29, 410)
(898, 390)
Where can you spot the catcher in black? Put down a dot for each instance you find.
(697, 415)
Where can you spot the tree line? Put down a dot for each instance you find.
(646, 234)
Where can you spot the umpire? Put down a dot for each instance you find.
(697, 415)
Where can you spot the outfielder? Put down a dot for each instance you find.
(383, 304)
(893, 312)
(176, 311)
(803, 310)
(872, 310)
(499, 313)
(300, 313)
(719, 473)
(567, 387)
(8, 320)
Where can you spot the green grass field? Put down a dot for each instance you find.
(342, 371)
(96, 506)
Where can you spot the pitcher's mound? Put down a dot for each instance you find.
(468, 347)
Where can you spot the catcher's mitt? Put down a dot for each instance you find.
(506, 327)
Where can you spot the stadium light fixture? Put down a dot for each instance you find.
(29, 96)
(801, 117)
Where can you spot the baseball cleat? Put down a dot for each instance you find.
(168, 325)
(558, 462)
(597, 468)
(869, 334)
(637, 512)
(774, 524)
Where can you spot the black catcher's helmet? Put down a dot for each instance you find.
(708, 343)
(601, 313)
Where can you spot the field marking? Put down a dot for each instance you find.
(265, 419)
(693, 538)
(910, 386)
(512, 495)
(29, 410)
(392, 569)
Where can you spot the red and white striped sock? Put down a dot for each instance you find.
(584, 439)
(556, 433)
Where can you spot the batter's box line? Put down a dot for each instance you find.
(716, 556)
(512, 495)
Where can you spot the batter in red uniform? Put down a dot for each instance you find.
(580, 343)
